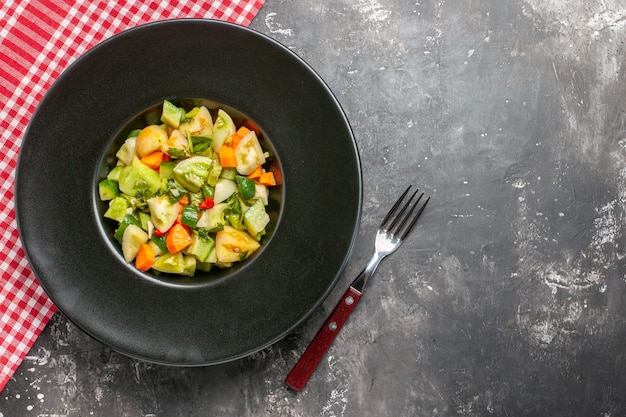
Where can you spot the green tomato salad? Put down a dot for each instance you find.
(189, 192)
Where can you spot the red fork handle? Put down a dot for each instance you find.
(306, 365)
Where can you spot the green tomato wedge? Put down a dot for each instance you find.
(170, 263)
(193, 172)
(213, 218)
(115, 173)
(198, 122)
(222, 128)
(138, 177)
(232, 245)
(189, 265)
(117, 209)
(132, 240)
(126, 221)
(249, 154)
(163, 212)
(127, 151)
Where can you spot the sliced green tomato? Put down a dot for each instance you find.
(191, 113)
(213, 218)
(117, 209)
(246, 187)
(189, 265)
(115, 173)
(150, 139)
(127, 152)
(232, 245)
(132, 240)
(193, 172)
(170, 263)
(163, 212)
(126, 221)
(206, 122)
(177, 145)
(201, 123)
(212, 256)
(249, 154)
(222, 129)
(138, 177)
(190, 124)
(217, 139)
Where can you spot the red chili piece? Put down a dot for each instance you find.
(208, 203)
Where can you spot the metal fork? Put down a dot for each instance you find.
(392, 231)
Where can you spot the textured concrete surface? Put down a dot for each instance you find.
(508, 300)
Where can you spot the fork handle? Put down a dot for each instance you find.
(306, 365)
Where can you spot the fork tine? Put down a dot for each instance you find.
(391, 212)
(415, 217)
(400, 217)
(396, 219)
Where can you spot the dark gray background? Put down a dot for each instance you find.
(507, 300)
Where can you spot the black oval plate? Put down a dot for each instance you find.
(215, 320)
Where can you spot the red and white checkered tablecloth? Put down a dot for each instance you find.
(38, 40)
